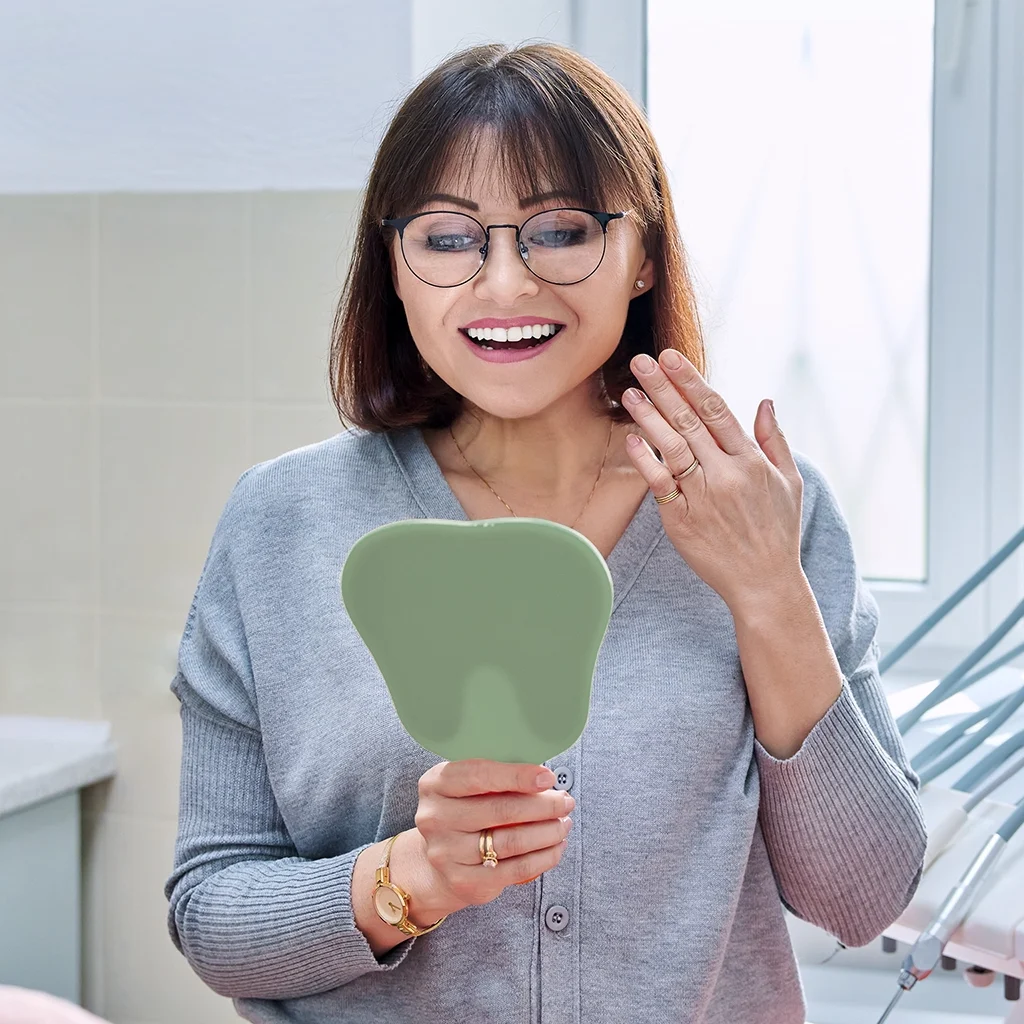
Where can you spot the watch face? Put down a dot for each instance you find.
(389, 904)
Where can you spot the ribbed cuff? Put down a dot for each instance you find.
(843, 826)
(254, 919)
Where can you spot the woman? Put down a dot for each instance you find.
(739, 753)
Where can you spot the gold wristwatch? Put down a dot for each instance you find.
(386, 893)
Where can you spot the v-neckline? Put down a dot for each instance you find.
(434, 495)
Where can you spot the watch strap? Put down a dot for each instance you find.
(383, 877)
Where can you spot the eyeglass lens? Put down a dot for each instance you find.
(559, 246)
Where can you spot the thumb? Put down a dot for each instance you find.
(772, 440)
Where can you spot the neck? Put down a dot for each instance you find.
(551, 458)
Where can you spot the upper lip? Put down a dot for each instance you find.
(514, 321)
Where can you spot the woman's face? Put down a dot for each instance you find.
(593, 310)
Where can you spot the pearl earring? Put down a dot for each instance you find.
(639, 284)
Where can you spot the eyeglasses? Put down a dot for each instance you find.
(445, 248)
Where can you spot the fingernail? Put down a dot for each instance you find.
(545, 780)
(570, 803)
(672, 359)
(772, 406)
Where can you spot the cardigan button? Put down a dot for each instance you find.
(556, 918)
(563, 778)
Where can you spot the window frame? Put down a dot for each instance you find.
(975, 427)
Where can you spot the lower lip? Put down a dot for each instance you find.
(514, 355)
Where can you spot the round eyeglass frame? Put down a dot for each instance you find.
(400, 223)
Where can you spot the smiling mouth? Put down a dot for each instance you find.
(500, 345)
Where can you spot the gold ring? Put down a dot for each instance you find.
(490, 858)
(668, 497)
(689, 469)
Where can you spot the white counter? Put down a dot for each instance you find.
(41, 758)
(44, 763)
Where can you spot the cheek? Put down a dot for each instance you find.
(601, 310)
(429, 315)
(620, 277)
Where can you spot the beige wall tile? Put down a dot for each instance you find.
(301, 247)
(138, 657)
(144, 975)
(179, 323)
(47, 662)
(46, 281)
(277, 430)
(165, 475)
(172, 294)
(46, 517)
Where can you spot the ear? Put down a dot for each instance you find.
(645, 274)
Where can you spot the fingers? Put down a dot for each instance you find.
(477, 776)
(476, 883)
(690, 405)
(773, 442)
(662, 476)
(514, 840)
(459, 799)
(457, 796)
(473, 813)
(671, 423)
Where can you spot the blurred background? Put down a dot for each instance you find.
(178, 190)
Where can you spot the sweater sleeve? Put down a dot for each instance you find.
(252, 917)
(844, 829)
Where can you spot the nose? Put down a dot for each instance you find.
(504, 279)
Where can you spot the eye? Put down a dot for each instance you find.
(561, 229)
(555, 238)
(450, 243)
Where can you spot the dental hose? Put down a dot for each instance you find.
(925, 953)
(991, 786)
(931, 767)
(967, 587)
(927, 950)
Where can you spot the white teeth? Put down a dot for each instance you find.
(512, 333)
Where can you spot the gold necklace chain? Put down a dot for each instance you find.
(509, 507)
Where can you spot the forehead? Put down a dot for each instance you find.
(484, 174)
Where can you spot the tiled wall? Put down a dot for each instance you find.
(152, 347)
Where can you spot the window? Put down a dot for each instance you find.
(847, 178)
(798, 145)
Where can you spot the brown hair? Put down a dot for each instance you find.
(554, 112)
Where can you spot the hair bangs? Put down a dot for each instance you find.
(533, 158)
(546, 137)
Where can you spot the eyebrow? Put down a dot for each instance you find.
(444, 197)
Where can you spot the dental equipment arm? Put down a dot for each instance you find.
(951, 602)
(926, 951)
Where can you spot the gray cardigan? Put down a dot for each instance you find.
(688, 837)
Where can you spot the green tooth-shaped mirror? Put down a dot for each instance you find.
(486, 631)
